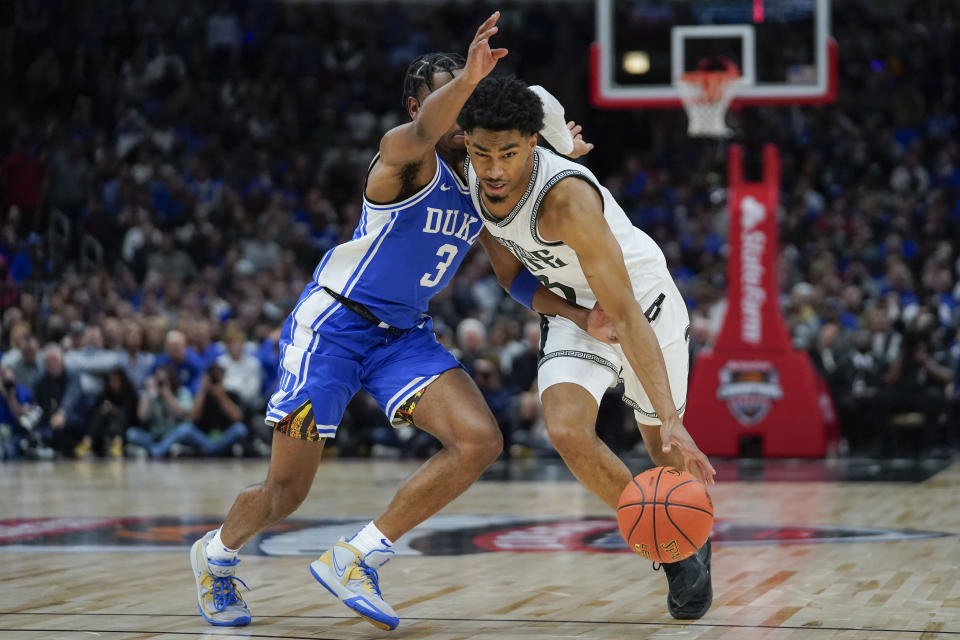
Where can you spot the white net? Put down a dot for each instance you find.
(706, 96)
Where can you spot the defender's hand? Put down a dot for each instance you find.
(673, 433)
(600, 326)
(481, 59)
(580, 146)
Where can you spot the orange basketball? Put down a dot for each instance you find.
(665, 514)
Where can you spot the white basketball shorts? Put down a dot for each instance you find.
(570, 354)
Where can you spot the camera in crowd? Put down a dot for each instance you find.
(215, 374)
(8, 380)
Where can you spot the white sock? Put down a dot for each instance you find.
(218, 551)
(368, 539)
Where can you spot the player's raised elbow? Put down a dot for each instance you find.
(405, 144)
(423, 134)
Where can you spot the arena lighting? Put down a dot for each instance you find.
(636, 62)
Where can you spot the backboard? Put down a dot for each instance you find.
(782, 49)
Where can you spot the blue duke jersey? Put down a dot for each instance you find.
(402, 254)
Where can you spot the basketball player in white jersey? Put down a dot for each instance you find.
(552, 216)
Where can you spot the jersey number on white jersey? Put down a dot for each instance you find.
(565, 291)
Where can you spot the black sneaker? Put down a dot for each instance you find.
(690, 587)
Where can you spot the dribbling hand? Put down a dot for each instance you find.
(674, 434)
(481, 59)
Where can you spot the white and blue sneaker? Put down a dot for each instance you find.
(352, 578)
(218, 597)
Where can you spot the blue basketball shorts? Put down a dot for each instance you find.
(328, 353)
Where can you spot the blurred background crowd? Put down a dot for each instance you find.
(171, 172)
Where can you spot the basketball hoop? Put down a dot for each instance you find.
(706, 96)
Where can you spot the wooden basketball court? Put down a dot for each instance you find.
(99, 550)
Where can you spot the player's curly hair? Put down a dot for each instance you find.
(421, 71)
(502, 103)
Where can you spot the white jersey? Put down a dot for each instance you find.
(554, 263)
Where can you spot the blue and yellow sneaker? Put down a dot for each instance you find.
(352, 579)
(218, 597)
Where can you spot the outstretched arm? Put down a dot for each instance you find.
(412, 141)
(573, 213)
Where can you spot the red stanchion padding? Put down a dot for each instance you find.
(745, 393)
(753, 383)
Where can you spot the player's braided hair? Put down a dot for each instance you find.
(421, 71)
(502, 103)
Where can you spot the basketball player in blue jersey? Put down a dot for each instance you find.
(361, 323)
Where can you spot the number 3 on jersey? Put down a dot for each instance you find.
(447, 253)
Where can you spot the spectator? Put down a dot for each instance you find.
(14, 405)
(9, 291)
(137, 364)
(530, 437)
(69, 177)
(169, 259)
(269, 357)
(164, 406)
(917, 382)
(60, 398)
(953, 416)
(217, 416)
(206, 350)
(830, 358)
(223, 29)
(28, 369)
(261, 251)
(19, 334)
(114, 413)
(857, 398)
(884, 340)
(21, 176)
(523, 366)
(701, 338)
(214, 423)
(487, 376)
(471, 341)
(242, 372)
(112, 330)
(910, 175)
(184, 362)
(90, 361)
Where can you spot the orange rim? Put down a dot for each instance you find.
(711, 83)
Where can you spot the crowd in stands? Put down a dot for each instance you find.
(171, 172)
